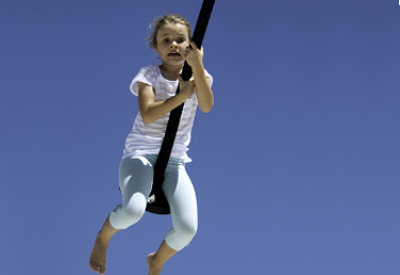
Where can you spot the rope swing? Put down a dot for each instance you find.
(157, 202)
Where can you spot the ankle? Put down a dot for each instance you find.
(154, 265)
(102, 239)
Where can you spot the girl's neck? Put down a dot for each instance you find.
(171, 72)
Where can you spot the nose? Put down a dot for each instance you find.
(174, 44)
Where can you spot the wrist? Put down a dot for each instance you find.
(198, 69)
(183, 95)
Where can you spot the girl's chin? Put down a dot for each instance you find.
(174, 64)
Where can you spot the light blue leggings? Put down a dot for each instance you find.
(135, 182)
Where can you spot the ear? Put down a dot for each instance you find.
(156, 49)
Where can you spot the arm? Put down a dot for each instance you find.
(150, 110)
(205, 96)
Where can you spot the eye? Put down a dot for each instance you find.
(166, 40)
(180, 40)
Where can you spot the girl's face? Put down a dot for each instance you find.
(172, 41)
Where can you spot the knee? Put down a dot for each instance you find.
(187, 232)
(128, 214)
(125, 218)
(132, 214)
(181, 236)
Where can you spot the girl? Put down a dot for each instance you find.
(155, 87)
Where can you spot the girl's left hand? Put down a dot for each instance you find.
(194, 56)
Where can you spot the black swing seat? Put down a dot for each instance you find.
(157, 203)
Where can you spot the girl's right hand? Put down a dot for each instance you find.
(186, 87)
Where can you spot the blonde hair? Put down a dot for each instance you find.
(163, 20)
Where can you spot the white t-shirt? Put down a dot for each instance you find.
(147, 138)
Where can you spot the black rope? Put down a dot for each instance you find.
(157, 203)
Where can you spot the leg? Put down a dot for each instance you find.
(135, 182)
(183, 203)
(182, 200)
(97, 260)
(156, 261)
(135, 176)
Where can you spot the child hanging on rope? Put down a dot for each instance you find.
(155, 87)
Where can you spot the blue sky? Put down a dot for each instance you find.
(296, 168)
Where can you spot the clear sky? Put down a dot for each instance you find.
(297, 167)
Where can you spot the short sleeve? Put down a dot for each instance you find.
(209, 78)
(145, 75)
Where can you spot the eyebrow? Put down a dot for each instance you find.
(166, 34)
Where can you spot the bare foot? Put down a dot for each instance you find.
(97, 261)
(153, 270)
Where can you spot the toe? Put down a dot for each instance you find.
(94, 266)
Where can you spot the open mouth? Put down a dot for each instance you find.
(174, 54)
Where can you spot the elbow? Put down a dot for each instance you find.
(147, 121)
(206, 108)
(146, 118)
